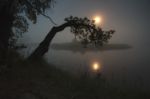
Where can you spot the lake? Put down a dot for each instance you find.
(120, 63)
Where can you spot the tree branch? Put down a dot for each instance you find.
(39, 11)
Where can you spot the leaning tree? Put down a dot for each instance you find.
(84, 30)
(13, 22)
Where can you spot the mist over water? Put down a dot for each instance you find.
(129, 65)
(120, 63)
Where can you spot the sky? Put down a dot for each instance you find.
(127, 17)
(130, 19)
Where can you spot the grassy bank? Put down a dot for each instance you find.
(40, 80)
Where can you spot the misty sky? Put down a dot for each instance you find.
(130, 19)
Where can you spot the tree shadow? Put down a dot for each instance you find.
(78, 47)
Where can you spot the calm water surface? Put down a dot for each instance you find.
(119, 62)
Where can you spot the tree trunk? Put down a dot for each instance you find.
(6, 20)
(44, 45)
(5, 31)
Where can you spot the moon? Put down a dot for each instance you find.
(96, 66)
(97, 19)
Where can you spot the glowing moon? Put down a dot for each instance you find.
(97, 19)
(96, 66)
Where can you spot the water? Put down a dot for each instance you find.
(120, 63)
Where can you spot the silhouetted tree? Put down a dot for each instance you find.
(13, 19)
(84, 30)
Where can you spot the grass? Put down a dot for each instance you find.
(40, 80)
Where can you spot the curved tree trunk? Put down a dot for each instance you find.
(44, 45)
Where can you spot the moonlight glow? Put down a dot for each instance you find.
(97, 19)
(96, 66)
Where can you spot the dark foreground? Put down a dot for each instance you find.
(40, 80)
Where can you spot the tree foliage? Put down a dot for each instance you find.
(87, 32)
(20, 11)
